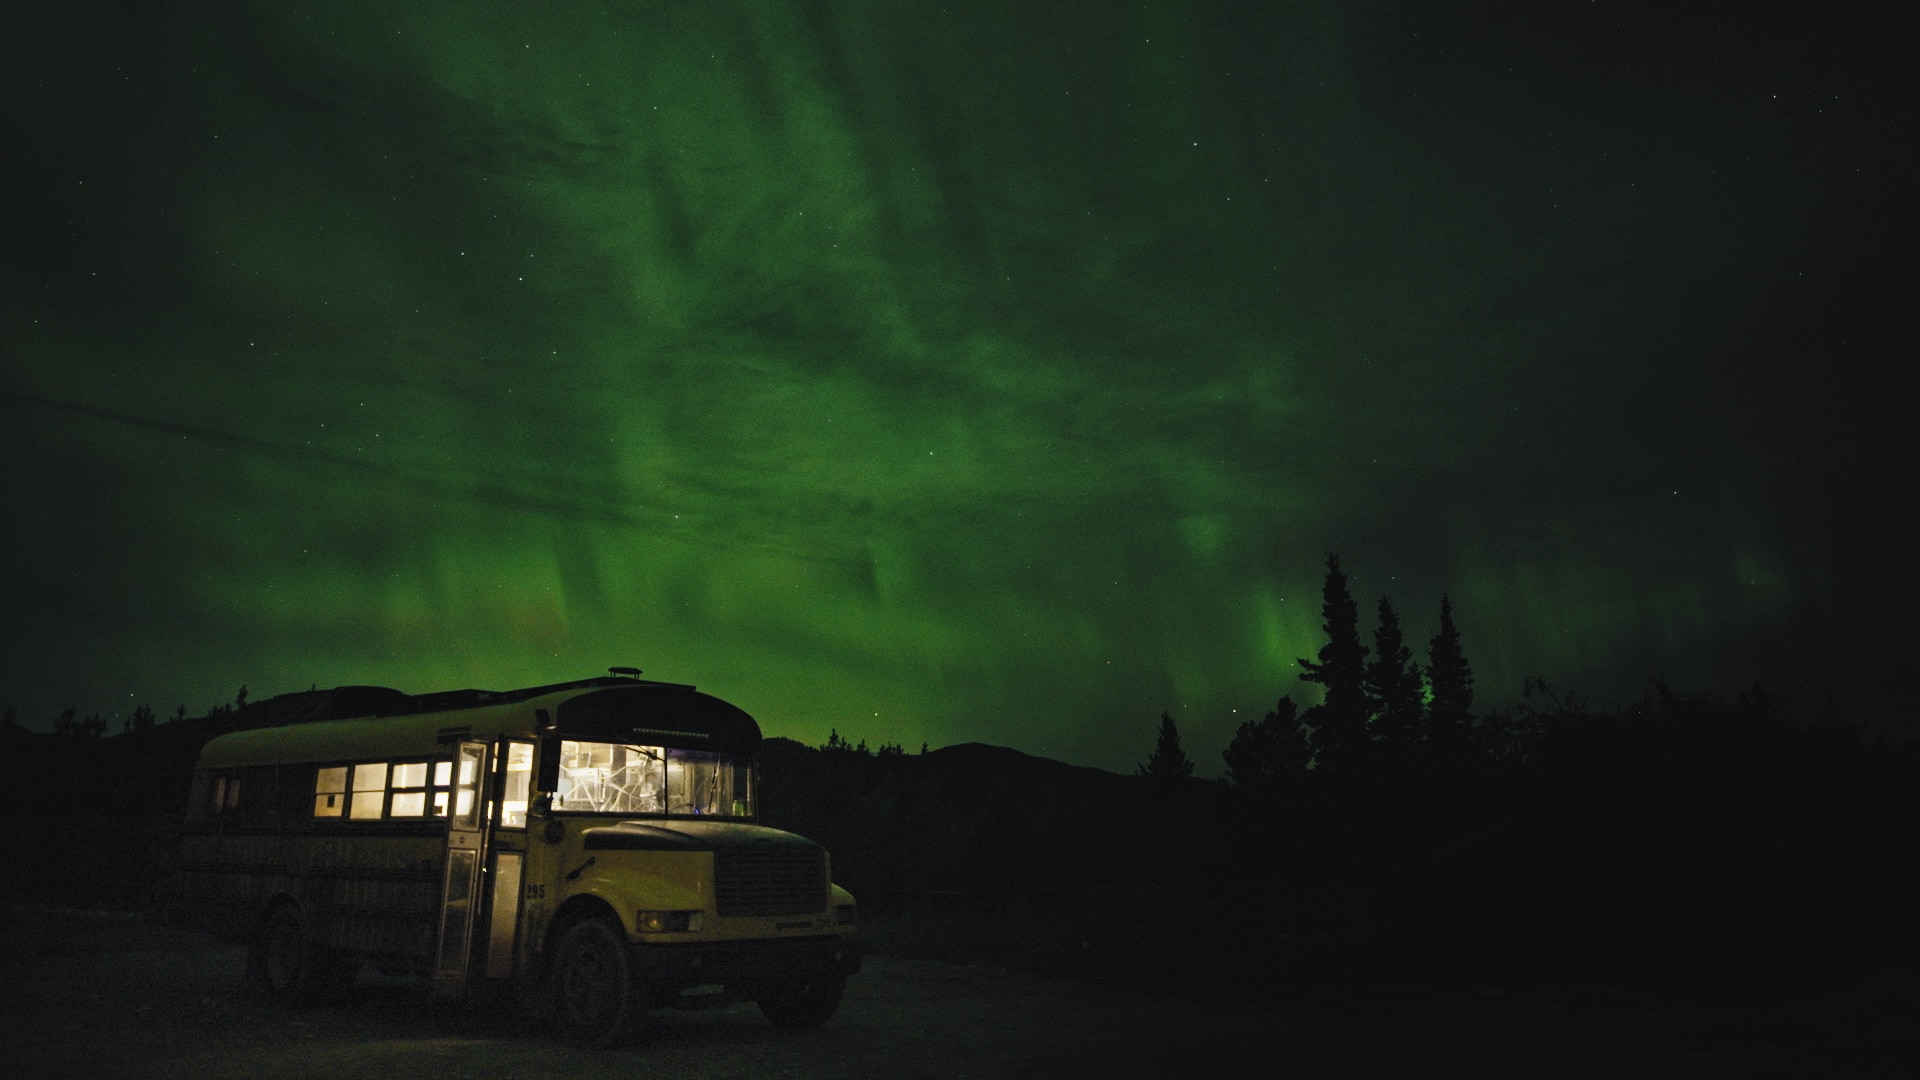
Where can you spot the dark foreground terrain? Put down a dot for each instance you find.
(109, 994)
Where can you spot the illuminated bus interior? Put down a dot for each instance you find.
(384, 790)
(623, 778)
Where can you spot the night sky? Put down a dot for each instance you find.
(992, 371)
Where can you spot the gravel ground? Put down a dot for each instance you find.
(104, 994)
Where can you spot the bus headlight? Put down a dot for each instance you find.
(668, 922)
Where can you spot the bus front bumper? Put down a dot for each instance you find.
(745, 967)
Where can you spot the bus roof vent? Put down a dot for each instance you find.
(629, 672)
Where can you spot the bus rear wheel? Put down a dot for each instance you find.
(285, 961)
(595, 1000)
(803, 1005)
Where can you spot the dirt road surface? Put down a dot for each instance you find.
(104, 995)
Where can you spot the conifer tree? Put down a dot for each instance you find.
(1168, 761)
(1265, 754)
(1450, 709)
(1393, 687)
(1340, 721)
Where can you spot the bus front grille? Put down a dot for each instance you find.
(780, 881)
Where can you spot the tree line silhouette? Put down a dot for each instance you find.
(1387, 711)
(1390, 833)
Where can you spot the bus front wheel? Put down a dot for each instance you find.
(594, 996)
(803, 1005)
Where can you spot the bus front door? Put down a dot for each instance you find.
(460, 893)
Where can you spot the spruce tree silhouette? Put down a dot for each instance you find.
(1168, 761)
(1393, 686)
(1266, 755)
(1450, 709)
(1340, 721)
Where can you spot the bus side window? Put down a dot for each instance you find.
(369, 790)
(411, 790)
(372, 790)
(238, 795)
(250, 795)
(518, 786)
(330, 792)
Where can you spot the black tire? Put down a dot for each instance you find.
(286, 963)
(803, 1006)
(594, 997)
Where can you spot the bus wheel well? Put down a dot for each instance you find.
(271, 908)
(576, 910)
(288, 962)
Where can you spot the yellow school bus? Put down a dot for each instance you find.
(588, 849)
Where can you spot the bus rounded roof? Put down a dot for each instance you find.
(604, 709)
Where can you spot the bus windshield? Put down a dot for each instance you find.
(624, 778)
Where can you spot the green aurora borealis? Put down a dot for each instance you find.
(979, 371)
